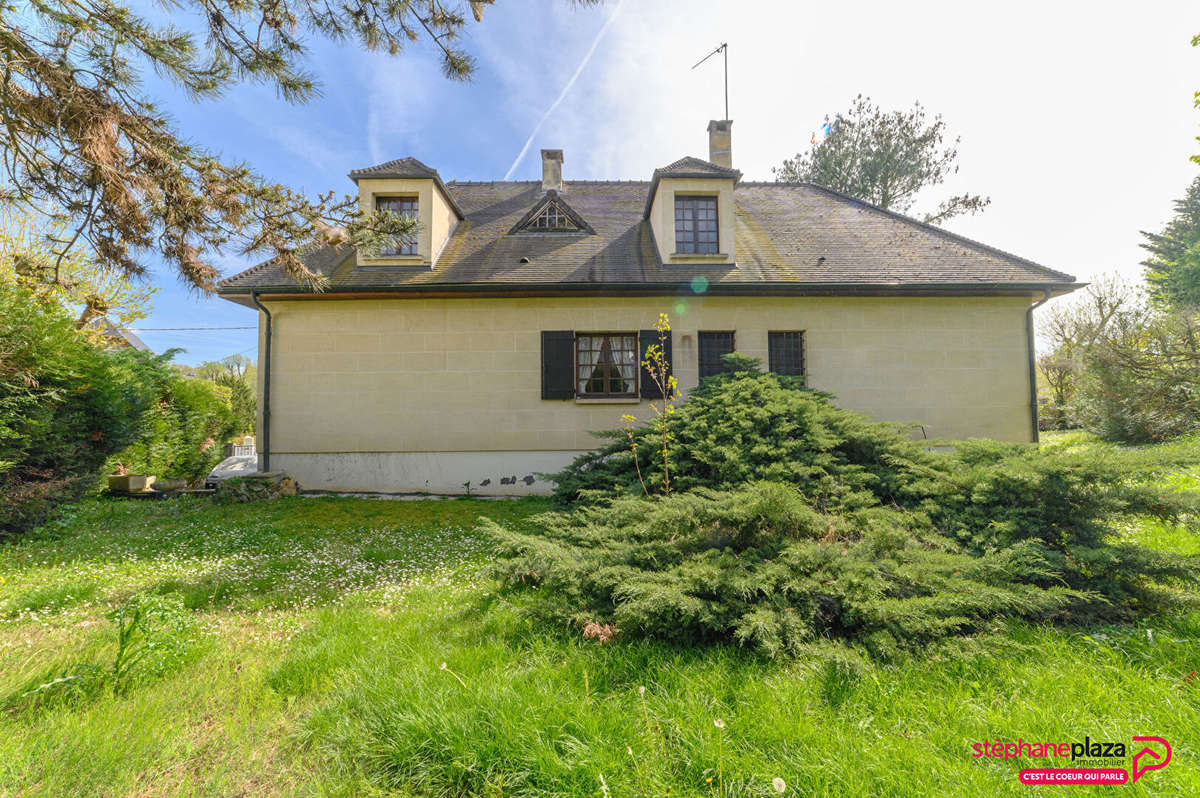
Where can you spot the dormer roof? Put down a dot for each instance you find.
(398, 168)
(407, 169)
(688, 167)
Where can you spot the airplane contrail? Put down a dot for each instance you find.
(579, 69)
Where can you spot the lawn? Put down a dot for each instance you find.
(339, 646)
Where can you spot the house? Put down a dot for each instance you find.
(115, 337)
(489, 346)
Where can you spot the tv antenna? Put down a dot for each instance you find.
(724, 49)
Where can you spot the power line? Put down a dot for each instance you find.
(178, 329)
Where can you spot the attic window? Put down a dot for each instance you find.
(552, 218)
(551, 215)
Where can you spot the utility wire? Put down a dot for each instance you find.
(177, 329)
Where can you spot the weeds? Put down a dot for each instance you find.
(153, 637)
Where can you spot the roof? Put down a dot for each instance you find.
(406, 169)
(694, 167)
(790, 237)
(401, 168)
(119, 337)
(687, 167)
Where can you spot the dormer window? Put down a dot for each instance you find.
(696, 225)
(404, 207)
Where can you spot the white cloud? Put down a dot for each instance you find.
(587, 57)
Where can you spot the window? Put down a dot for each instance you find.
(785, 353)
(696, 225)
(552, 218)
(606, 364)
(404, 207)
(712, 346)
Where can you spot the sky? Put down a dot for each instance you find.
(1076, 119)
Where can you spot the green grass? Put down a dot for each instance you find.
(350, 647)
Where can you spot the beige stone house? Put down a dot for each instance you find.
(486, 349)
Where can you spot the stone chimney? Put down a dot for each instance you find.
(552, 170)
(720, 142)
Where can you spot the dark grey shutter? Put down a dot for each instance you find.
(650, 388)
(558, 364)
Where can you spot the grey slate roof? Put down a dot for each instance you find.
(789, 236)
(399, 168)
(694, 167)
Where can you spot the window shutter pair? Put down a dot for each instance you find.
(558, 364)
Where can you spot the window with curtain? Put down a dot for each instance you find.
(606, 364)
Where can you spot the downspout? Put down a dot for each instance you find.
(1033, 398)
(265, 361)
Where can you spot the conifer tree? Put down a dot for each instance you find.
(885, 158)
(1173, 268)
(82, 138)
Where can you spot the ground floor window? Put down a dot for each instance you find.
(785, 353)
(607, 364)
(713, 346)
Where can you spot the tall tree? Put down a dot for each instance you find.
(28, 258)
(1173, 268)
(80, 136)
(1070, 328)
(883, 157)
(238, 375)
(1196, 96)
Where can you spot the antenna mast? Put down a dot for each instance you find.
(723, 48)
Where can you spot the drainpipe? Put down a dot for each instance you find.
(265, 363)
(1033, 399)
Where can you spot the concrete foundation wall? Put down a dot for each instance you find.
(425, 394)
(490, 473)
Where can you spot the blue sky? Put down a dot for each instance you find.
(1077, 123)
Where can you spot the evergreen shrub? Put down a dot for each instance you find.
(793, 522)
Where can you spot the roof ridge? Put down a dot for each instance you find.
(619, 181)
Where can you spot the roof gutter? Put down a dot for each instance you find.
(662, 289)
(1033, 397)
(265, 362)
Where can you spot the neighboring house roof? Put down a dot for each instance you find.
(790, 237)
(118, 337)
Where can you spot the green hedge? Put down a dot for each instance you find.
(183, 434)
(65, 407)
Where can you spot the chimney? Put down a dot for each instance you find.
(720, 142)
(552, 170)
